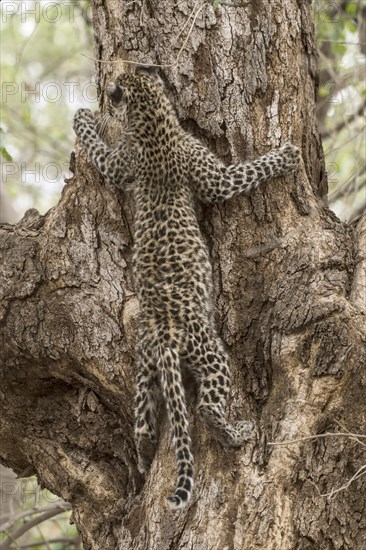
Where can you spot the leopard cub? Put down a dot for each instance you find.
(170, 171)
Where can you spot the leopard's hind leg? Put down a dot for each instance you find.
(209, 362)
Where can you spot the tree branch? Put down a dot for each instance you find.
(29, 525)
(343, 123)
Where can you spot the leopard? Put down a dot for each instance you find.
(169, 171)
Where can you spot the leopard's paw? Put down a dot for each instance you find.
(244, 430)
(291, 156)
(83, 118)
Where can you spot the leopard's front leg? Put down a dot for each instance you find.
(113, 164)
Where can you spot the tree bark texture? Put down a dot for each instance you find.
(289, 282)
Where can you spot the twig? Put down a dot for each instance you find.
(345, 122)
(44, 540)
(360, 211)
(357, 134)
(307, 437)
(188, 35)
(343, 42)
(343, 427)
(360, 472)
(5, 526)
(141, 63)
(354, 183)
(188, 20)
(163, 65)
(70, 540)
(29, 525)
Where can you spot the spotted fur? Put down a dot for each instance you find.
(170, 171)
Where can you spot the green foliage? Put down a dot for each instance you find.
(216, 4)
(4, 153)
(341, 102)
(44, 80)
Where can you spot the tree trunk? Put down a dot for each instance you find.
(289, 282)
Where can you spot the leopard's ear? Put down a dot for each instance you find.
(147, 70)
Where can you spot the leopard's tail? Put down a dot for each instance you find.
(175, 402)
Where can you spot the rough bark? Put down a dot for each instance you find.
(289, 291)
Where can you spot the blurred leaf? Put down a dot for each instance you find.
(351, 8)
(215, 4)
(5, 154)
(350, 25)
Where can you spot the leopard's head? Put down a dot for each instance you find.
(139, 100)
